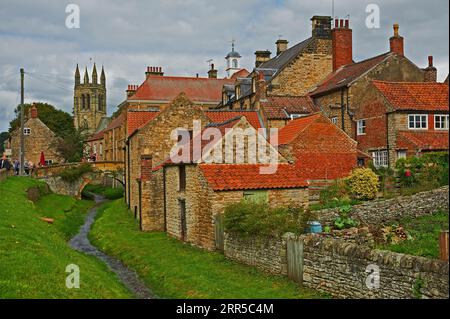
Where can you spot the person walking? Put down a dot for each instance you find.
(16, 167)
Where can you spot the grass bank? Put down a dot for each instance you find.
(107, 192)
(176, 270)
(34, 255)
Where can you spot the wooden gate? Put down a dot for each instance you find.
(295, 259)
(218, 222)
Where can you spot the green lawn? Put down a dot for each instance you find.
(176, 270)
(34, 254)
(424, 235)
(108, 192)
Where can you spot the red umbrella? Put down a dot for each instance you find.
(42, 160)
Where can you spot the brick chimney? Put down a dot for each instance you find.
(261, 87)
(261, 57)
(282, 45)
(430, 71)
(397, 42)
(131, 89)
(34, 112)
(154, 71)
(212, 74)
(146, 167)
(342, 37)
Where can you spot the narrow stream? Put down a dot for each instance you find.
(128, 277)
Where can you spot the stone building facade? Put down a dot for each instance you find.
(339, 96)
(114, 136)
(89, 105)
(38, 138)
(401, 119)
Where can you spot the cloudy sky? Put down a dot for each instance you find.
(181, 35)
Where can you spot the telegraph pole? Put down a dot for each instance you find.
(22, 137)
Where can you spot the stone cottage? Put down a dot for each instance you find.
(340, 94)
(402, 119)
(38, 138)
(196, 194)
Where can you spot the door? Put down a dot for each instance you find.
(183, 224)
(295, 259)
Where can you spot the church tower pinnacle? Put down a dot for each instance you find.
(94, 74)
(77, 76)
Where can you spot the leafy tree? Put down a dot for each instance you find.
(3, 137)
(70, 146)
(60, 122)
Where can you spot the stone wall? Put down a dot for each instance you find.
(391, 210)
(342, 265)
(342, 270)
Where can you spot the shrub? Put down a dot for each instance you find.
(363, 184)
(344, 221)
(250, 218)
(72, 174)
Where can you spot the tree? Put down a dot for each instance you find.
(60, 122)
(3, 137)
(70, 146)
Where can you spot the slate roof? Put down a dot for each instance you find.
(421, 96)
(347, 74)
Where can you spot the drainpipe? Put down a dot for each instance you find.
(164, 199)
(139, 181)
(125, 179)
(387, 141)
(342, 110)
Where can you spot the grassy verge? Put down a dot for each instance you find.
(34, 255)
(108, 192)
(177, 270)
(424, 235)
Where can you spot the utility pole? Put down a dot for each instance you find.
(22, 136)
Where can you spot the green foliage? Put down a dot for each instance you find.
(174, 269)
(335, 195)
(419, 283)
(60, 122)
(363, 184)
(3, 137)
(107, 192)
(422, 173)
(72, 174)
(70, 146)
(423, 235)
(344, 221)
(34, 254)
(250, 218)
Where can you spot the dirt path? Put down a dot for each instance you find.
(128, 277)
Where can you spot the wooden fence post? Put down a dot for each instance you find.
(443, 245)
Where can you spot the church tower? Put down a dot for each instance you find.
(89, 103)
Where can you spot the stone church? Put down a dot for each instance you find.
(89, 105)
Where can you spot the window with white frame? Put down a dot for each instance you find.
(401, 154)
(441, 122)
(27, 131)
(334, 120)
(418, 121)
(361, 127)
(380, 158)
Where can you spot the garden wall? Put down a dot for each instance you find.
(337, 264)
(390, 210)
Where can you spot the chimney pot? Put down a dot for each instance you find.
(341, 23)
(430, 61)
(397, 44)
(347, 24)
(336, 23)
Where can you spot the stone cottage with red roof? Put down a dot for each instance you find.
(339, 96)
(401, 119)
(196, 194)
(319, 149)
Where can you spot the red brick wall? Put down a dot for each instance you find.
(375, 115)
(342, 45)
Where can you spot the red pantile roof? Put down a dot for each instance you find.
(115, 123)
(222, 116)
(167, 88)
(426, 140)
(137, 119)
(279, 107)
(243, 73)
(347, 74)
(222, 177)
(422, 96)
(288, 133)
